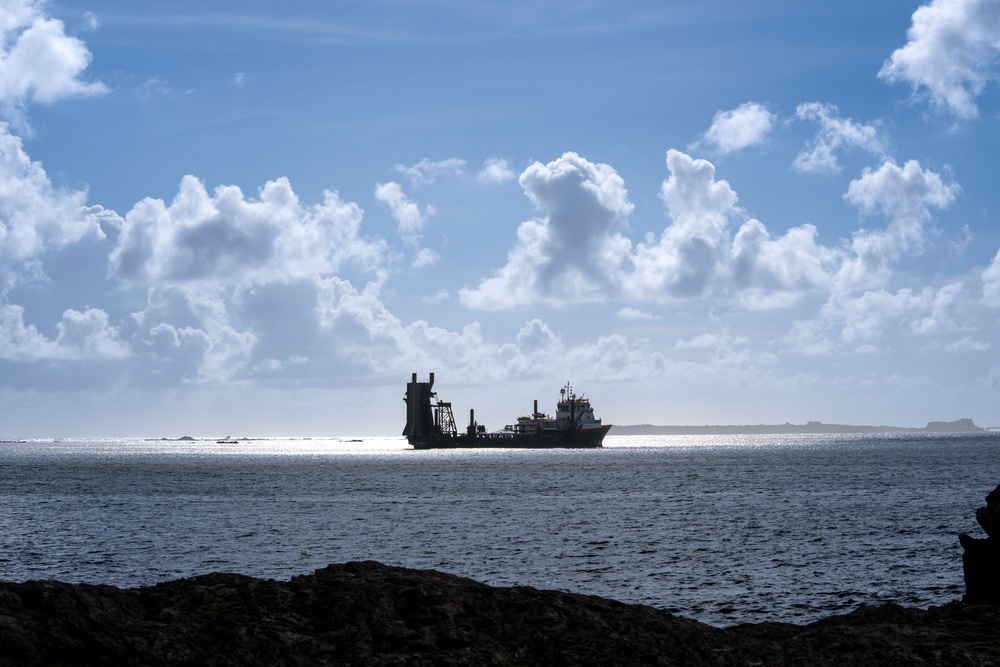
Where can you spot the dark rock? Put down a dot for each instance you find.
(372, 614)
(981, 557)
(989, 516)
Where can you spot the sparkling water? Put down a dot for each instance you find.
(723, 529)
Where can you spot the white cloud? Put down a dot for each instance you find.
(495, 171)
(906, 196)
(225, 238)
(746, 125)
(21, 341)
(854, 322)
(907, 192)
(427, 171)
(863, 318)
(616, 358)
(941, 307)
(951, 52)
(835, 133)
(686, 260)
(36, 217)
(362, 328)
(410, 220)
(775, 272)
(89, 335)
(536, 340)
(991, 282)
(39, 62)
(441, 297)
(574, 253)
(629, 313)
(578, 252)
(86, 335)
(210, 263)
(425, 257)
(229, 351)
(239, 80)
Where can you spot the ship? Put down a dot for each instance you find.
(431, 424)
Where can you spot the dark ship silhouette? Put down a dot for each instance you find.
(432, 425)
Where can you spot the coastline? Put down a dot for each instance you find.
(962, 426)
(374, 614)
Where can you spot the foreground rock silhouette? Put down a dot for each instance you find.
(372, 614)
(981, 557)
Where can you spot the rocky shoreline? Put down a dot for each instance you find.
(366, 613)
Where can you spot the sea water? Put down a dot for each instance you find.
(723, 529)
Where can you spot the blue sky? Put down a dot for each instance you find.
(253, 219)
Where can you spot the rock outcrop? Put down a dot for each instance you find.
(371, 614)
(981, 558)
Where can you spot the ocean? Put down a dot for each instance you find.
(722, 529)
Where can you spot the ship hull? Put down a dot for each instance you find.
(579, 439)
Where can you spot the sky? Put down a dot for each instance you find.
(256, 218)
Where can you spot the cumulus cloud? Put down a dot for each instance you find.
(859, 308)
(907, 192)
(79, 335)
(864, 317)
(687, 257)
(225, 237)
(495, 171)
(35, 216)
(905, 195)
(228, 350)
(89, 335)
(366, 334)
(745, 126)
(774, 272)
(427, 171)
(410, 220)
(575, 252)
(207, 262)
(578, 252)
(39, 62)
(950, 54)
(834, 134)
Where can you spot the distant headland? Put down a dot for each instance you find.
(813, 427)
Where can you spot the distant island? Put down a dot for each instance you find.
(957, 426)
